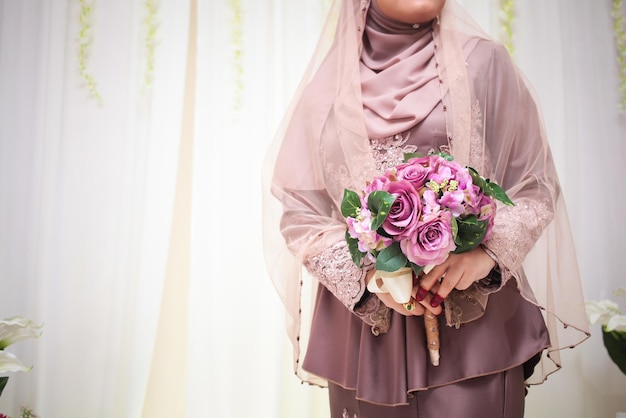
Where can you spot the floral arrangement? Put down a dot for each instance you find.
(418, 212)
(13, 330)
(413, 216)
(608, 314)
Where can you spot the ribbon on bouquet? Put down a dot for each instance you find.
(399, 284)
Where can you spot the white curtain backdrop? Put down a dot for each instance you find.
(131, 228)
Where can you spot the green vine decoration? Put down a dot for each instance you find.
(84, 45)
(236, 32)
(507, 20)
(150, 23)
(620, 44)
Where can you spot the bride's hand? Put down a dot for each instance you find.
(416, 310)
(459, 271)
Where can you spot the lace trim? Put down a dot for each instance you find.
(516, 230)
(335, 269)
(389, 152)
(478, 159)
(355, 172)
(375, 313)
(337, 177)
(465, 305)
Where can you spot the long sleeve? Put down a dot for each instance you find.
(334, 268)
(326, 255)
(521, 162)
(507, 146)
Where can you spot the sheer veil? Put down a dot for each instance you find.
(494, 125)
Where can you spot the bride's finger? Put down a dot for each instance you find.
(413, 308)
(427, 303)
(425, 298)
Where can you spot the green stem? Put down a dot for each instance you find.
(84, 46)
(237, 43)
(507, 20)
(150, 43)
(620, 45)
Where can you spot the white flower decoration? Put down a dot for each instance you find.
(607, 313)
(10, 363)
(12, 330)
(16, 329)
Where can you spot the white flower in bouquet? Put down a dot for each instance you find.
(16, 329)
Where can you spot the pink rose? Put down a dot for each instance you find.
(432, 242)
(406, 210)
(416, 171)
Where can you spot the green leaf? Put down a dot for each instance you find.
(478, 180)
(391, 258)
(410, 155)
(379, 203)
(490, 188)
(454, 226)
(471, 233)
(469, 220)
(445, 156)
(3, 383)
(353, 247)
(416, 269)
(615, 343)
(350, 204)
(493, 189)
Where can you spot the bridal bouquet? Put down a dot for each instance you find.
(413, 216)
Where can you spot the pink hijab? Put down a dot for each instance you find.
(493, 124)
(399, 80)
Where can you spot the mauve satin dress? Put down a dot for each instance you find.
(482, 370)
